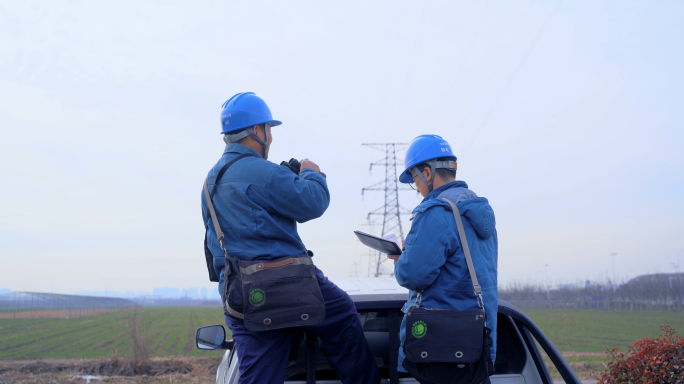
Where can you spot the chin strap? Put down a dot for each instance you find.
(420, 175)
(254, 136)
(433, 168)
(228, 138)
(434, 165)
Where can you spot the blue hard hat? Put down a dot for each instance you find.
(422, 149)
(245, 110)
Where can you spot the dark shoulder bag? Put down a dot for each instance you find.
(449, 346)
(268, 294)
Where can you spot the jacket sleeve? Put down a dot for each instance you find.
(426, 251)
(205, 209)
(301, 198)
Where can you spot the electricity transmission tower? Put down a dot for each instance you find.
(391, 212)
(369, 254)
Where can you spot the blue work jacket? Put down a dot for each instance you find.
(434, 263)
(259, 204)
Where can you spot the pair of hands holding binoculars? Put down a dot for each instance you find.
(296, 166)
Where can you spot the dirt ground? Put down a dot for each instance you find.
(177, 370)
(59, 313)
(586, 365)
(168, 370)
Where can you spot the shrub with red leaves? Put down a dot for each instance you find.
(648, 361)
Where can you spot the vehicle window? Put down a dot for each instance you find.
(376, 329)
(510, 358)
(510, 352)
(296, 367)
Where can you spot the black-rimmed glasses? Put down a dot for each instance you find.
(412, 183)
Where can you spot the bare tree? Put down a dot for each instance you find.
(139, 326)
(660, 291)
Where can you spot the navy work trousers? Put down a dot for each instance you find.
(263, 355)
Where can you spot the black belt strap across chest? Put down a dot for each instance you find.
(208, 196)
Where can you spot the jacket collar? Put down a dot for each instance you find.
(436, 192)
(240, 149)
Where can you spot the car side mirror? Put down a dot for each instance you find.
(212, 337)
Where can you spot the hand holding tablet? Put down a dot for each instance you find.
(379, 244)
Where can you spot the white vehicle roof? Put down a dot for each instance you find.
(370, 286)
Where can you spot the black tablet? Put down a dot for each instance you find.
(378, 243)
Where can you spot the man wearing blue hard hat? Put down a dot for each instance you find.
(269, 285)
(433, 265)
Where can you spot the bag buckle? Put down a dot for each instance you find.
(480, 301)
(220, 240)
(419, 298)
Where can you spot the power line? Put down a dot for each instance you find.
(409, 73)
(500, 61)
(388, 74)
(457, 72)
(515, 73)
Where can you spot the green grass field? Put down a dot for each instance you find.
(592, 331)
(171, 331)
(582, 336)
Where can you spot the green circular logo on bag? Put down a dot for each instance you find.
(257, 297)
(419, 329)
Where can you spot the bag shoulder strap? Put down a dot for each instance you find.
(466, 251)
(210, 203)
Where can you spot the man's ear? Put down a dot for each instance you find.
(429, 175)
(258, 130)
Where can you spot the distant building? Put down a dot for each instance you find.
(99, 293)
(569, 287)
(192, 293)
(672, 279)
(157, 293)
(167, 293)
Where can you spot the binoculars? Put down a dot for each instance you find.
(295, 165)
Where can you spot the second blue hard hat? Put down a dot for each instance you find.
(245, 110)
(422, 149)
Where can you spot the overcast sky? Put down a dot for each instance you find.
(568, 116)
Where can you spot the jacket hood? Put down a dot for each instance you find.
(476, 209)
(480, 214)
